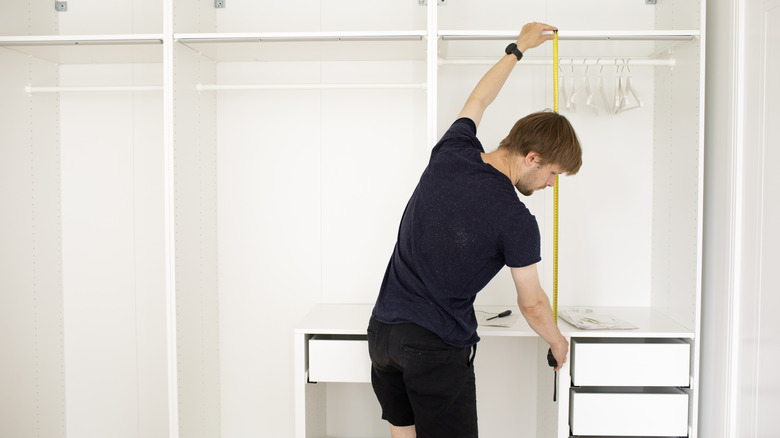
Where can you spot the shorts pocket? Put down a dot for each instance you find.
(413, 354)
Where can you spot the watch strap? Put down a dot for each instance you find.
(511, 49)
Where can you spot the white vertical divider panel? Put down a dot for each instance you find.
(195, 216)
(169, 202)
(193, 169)
(31, 321)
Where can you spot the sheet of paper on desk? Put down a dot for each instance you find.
(587, 319)
(507, 321)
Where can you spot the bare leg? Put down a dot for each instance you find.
(403, 432)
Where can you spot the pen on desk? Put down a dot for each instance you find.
(500, 315)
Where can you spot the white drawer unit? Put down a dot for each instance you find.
(630, 362)
(629, 412)
(335, 358)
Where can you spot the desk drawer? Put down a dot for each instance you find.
(629, 412)
(630, 362)
(335, 358)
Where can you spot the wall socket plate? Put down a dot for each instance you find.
(61, 6)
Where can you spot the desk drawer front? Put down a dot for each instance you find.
(339, 359)
(630, 362)
(630, 412)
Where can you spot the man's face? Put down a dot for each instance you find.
(537, 177)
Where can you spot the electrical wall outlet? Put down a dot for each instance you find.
(61, 6)
(219, 3)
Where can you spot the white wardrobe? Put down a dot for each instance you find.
(182, 182)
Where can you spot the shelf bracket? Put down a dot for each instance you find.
(425, 2)
(61, 6)
(651, 2)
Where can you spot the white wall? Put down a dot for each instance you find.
(112, 253)
(740, 390)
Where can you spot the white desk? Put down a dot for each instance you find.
(351, 320)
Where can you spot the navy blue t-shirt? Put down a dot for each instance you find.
(463, 223)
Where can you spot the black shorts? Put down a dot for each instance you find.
(421, 380)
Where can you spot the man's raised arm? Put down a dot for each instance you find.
(488, 87)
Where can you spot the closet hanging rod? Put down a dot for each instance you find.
(249, 87)
(630, 62)
(29, 89)
(628, 35)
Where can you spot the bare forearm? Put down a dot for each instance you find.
(488, 87)
(540, 318)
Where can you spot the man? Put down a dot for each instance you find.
(463, 223)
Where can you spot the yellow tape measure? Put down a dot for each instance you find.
(555, 188)
(550, 358)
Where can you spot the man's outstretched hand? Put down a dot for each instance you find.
(531, 35)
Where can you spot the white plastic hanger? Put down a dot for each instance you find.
(618, 96)
(628, 91)
(590, 102)
(571, 105)
(564, 90)
(603, 92)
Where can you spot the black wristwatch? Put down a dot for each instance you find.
(512, 50)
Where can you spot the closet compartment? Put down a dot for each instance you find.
(283, 151)
(83, 238)
(629, 412)
(630, 362)
(640, 237)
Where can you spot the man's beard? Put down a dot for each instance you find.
(523, 189)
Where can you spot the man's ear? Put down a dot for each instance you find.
(533, 159)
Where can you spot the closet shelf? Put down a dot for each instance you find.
(308, 46)
(89, 49)
(66, 40)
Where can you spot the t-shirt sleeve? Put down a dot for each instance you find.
(520, 240)
(461, 134)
